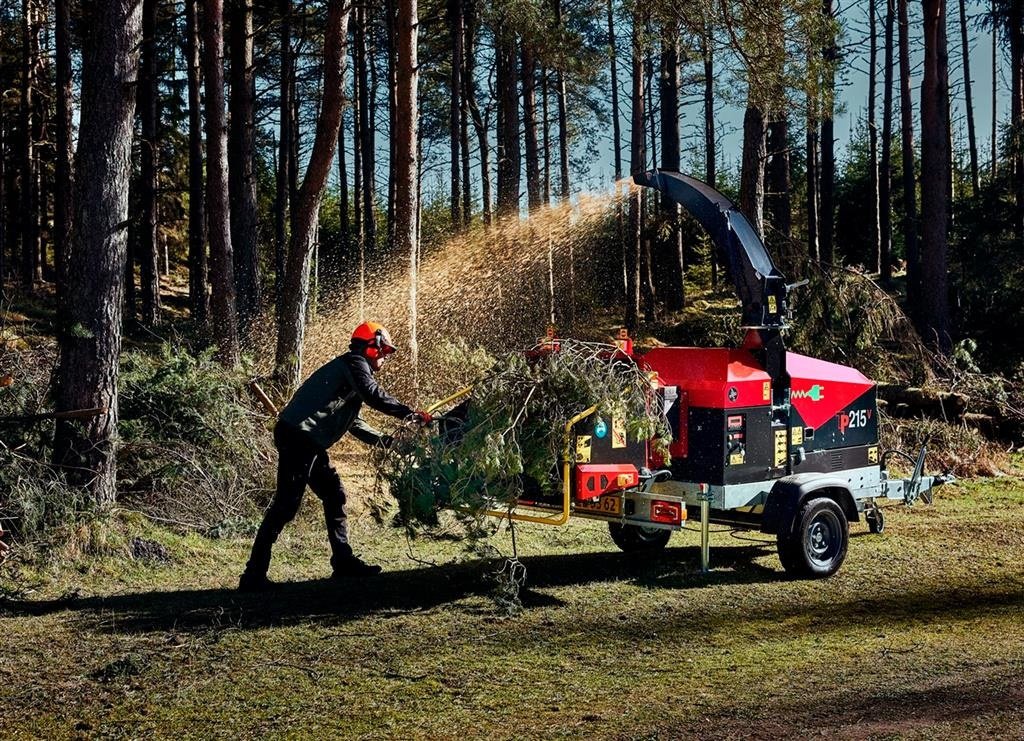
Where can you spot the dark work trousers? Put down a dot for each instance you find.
(301, 462)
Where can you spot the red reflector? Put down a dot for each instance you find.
(670, 513)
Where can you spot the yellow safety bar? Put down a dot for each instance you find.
(568, 458)
(449, 399)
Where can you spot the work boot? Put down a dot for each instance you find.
(252, 583)
(353, 566)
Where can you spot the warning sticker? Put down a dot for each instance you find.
(583, 448)
(798, 435)
(780, 447)
(618, 432)
(773, 306)
(873, 454)
(766, 390)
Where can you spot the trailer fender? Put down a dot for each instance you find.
(789, 493)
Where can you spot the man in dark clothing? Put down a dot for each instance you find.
(324, 408)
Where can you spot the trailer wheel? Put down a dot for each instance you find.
(876, 520)
(638, 539)
(815, 546)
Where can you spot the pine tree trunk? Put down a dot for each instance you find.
(509, 160)
(752, 167)
(87, 374)
(968, 102)
(936, 174)
(479, 125)
(407, 172)
(291, 332)
(907, 150)
(529, 81)
(282, 200)
(995, 95)
(241, 163)
(467, 183)
(613, 61)
(343, 204)
(390, 38)
(31, 268)
(367, 142)
(199, 299)
(778, 197)
(1016, 30)
(874, 257)
(672, 245)
(637, 164)
(827, 175)
(885, 174)
(149, 113)
(563, 116)
(710, 143)
(62, 187)
(545, 137)
(455, 108)
(222, 277)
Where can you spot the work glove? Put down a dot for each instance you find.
(424, 418)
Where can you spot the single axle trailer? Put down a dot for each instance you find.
(761, 438)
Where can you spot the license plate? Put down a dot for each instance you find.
(606, 505)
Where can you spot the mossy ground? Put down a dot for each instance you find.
(921, 634)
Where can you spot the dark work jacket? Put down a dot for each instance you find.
(327, 405)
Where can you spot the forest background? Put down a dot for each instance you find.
(175, 218)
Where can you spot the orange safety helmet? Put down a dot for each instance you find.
(373, 340)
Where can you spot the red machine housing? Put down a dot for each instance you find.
(727, 427)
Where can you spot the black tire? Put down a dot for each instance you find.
(876, 521)
(815, 545)
(638, 539)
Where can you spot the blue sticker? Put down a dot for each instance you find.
(600, 428)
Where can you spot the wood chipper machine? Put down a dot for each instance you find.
(761, 438)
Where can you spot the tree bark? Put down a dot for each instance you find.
(968, 101)
(199, 297)
(509, 161)
(90, 342)
(529, 80)
(827, 176)
(367, 142)
(241, 165)
(62, 187)
(885, 174)
(284, 156)
(407, 170)
(778, 199)
(995, 96)
(710, 143)
(1016, 30)
(455, 27)
(479, 125)
(31, 267)
(936, 169)
(752, 167)
(563, 114)
(291, 331)
(672, 245)
(637, 164)
(222, 277)
(343, 204)
(149, 112)
(907, 150)
(467, 182)
(874, 257)
(613, 61)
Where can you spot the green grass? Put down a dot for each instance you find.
(921, 634)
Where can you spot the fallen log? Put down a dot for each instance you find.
(901, 401)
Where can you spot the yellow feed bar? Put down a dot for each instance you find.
(568, 458)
